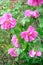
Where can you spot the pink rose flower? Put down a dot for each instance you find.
(35, 14)
(30, 13)
(32, 53)
(27, 13)
(30, 34)
(15, 41)
(7, 21)
(38, 53)
(12, 52)
(35, 2)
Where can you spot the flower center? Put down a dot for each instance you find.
(30, 33)
(12, 52)
(7, 21)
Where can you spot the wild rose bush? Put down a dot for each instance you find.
(21, 32)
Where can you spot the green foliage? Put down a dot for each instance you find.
(22, 25)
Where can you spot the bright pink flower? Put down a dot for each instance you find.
(35, 14)
(15, 41)
(7, 21)
(32, 53)
(35, 2)
(30, 13)
(38, 53)
(27, 13)
(30, 34)
(12, 52)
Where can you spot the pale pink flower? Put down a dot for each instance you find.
(38, 53)
(30, 34)
(35, 2)
(32, 53)
(15, 41)
(12, 52)
(30, 13)
(7, 21)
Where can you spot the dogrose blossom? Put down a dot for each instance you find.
(27, 13)
(38, 53)
(35, 2)
(32, 53)
(15, 41)
(12, 52)
(30, 34)
(30, 13)
(7, 21)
